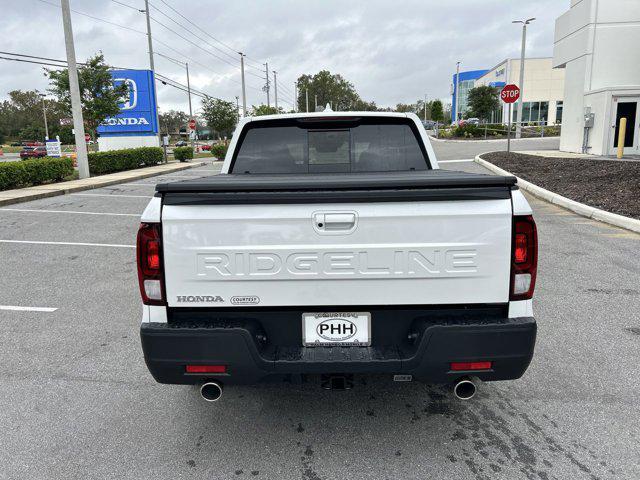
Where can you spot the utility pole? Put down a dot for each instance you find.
(275, 88)
(44, 113)
(295, 96)
(267, 87)
(457, 91)
(189, 94)
(186, 66)
(306, 96)
(521, 85)
(244, 93)
(152, 66)
(237, 108)
(425, 107)
(316, 104)
(74, 89)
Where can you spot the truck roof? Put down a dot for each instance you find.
(326, 113)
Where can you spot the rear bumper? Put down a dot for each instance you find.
(431, 345)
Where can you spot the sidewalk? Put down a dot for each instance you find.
(8, 197)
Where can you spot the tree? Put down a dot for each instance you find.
(100, 97)
(331, 89)
(171, 121)
(221, 116)
(22, 112)
(437, 112)
(265, 110)
(363, 106)
(406, 107)
(482, 101)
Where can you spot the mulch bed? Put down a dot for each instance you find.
(610, 185)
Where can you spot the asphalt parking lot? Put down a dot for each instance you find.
(78, 402)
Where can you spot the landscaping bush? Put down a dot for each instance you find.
(183, 153)
(126, 159)
(219, 150)
(467, 130)
(36, 171)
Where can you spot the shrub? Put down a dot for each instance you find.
(183, 153)
(34, 172)
(219, 150)
(126, 159)
(467, 130)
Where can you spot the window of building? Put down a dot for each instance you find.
(533, 112)
(559, 108)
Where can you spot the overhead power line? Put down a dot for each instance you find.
(33, 59)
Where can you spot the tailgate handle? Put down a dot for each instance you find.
(335, 221)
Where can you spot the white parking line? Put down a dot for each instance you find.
(79, 244)
(33, 210)
(27, 309)
(456, 161)
(109, 195)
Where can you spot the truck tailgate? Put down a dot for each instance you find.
(390, 241)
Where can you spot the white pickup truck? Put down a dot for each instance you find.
(332, 244)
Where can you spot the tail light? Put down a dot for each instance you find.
(524, 261)
(150, 268)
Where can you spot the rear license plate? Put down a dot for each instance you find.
(336, 329)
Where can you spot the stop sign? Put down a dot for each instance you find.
(87, 137)
(510, 93)
(192, 124)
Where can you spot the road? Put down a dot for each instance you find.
(78, 402)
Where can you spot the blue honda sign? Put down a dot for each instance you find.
(138, 112)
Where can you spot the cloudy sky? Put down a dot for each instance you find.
(392, 51)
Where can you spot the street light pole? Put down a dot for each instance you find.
(519, 105)
(295, 96)
(457, 91)
(244, 93)
(74, 89)
(237, 108)
(306, 96)
(44, 114)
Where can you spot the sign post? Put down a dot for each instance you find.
(509, 95)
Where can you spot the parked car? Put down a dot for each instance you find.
(473, 121)
(181, 143)
(205, 148)
(429, 124)
(309, 256)
(33, 152)
(16, 144)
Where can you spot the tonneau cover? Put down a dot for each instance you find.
(337, 181)
(430, 185)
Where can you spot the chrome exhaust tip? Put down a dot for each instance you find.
(464, 389)
(211, 391)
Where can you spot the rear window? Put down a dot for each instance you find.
(357, 145)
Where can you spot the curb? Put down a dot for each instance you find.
(55, 189)
(564, 202)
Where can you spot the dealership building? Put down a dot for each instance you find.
(543, 89)
(543, 93)
(466, 82)
(597, 46)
